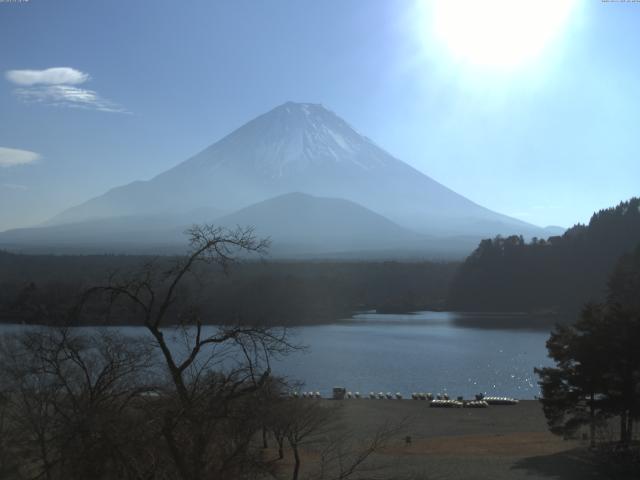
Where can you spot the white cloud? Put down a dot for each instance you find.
(49, 76)
(56, 87)
(68, 96)
(10, 157)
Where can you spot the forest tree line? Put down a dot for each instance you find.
(557, 274)
(509, 274)
(255, 291)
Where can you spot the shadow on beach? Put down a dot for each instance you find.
(576, 464)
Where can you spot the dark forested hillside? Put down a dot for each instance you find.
(558, 274)
(37, 288)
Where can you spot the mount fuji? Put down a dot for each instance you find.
(296, 147)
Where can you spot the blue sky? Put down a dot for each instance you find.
(549, 141)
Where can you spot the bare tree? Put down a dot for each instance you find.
(277, 418)
(343, 454)
(317, 429)
(306, 418)
(208, 422)
(188, 400)
(8, 463)
(68, 395)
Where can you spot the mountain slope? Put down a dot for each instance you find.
(312, 224)
(123, 234)
(301, 148)
(294, 221)
(299, 225)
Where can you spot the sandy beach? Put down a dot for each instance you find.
(499, 442)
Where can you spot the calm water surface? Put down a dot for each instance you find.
(426, 351)
(460, 354)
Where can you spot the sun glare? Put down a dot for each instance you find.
(500, 34)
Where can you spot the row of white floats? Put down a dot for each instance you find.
(437, 401)
(458, 404)
(306, 395)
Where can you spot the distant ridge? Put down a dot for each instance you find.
(301, 147)
(317, 225)
(296, 156)
(298, 225)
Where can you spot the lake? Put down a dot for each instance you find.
(426, 351)
(437, 352)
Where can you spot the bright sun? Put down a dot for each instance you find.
(501, 34)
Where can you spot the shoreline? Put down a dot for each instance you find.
(499, 442)
(507, 320)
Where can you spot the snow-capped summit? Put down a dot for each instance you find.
(301, 147)
(291, 139)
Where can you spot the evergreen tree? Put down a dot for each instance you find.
(557, 274)
(597, 373)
